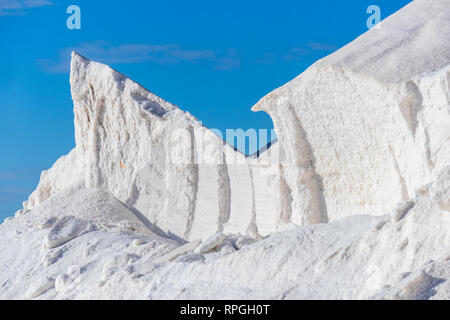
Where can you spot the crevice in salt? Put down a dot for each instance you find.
(223, 193)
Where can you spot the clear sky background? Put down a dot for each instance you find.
(212, 58)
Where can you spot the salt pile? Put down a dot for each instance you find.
(352, 202)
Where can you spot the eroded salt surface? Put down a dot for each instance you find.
(357, 207)
(358, 257)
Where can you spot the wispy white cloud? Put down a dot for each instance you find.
(316, 46)
(227, 60)
(18, 7)
(267, 58)
(297, 53)
(137, 53)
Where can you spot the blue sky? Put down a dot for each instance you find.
(212, 58)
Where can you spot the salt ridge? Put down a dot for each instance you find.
(356, 206)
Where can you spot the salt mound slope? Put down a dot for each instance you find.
(369, 125)
(358, 257)
(413, 41)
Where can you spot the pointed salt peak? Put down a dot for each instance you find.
(261, 104)
(82, 68)
(257, 107)
(76, 54)
(77, 63)
(78, 57)
(264, 104)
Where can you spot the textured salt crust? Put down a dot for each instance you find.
(364, 131)
(359, 257)
(66, 229)
(211, 243)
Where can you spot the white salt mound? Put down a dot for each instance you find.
(359, 257)
(352, 202)
(368, 125)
